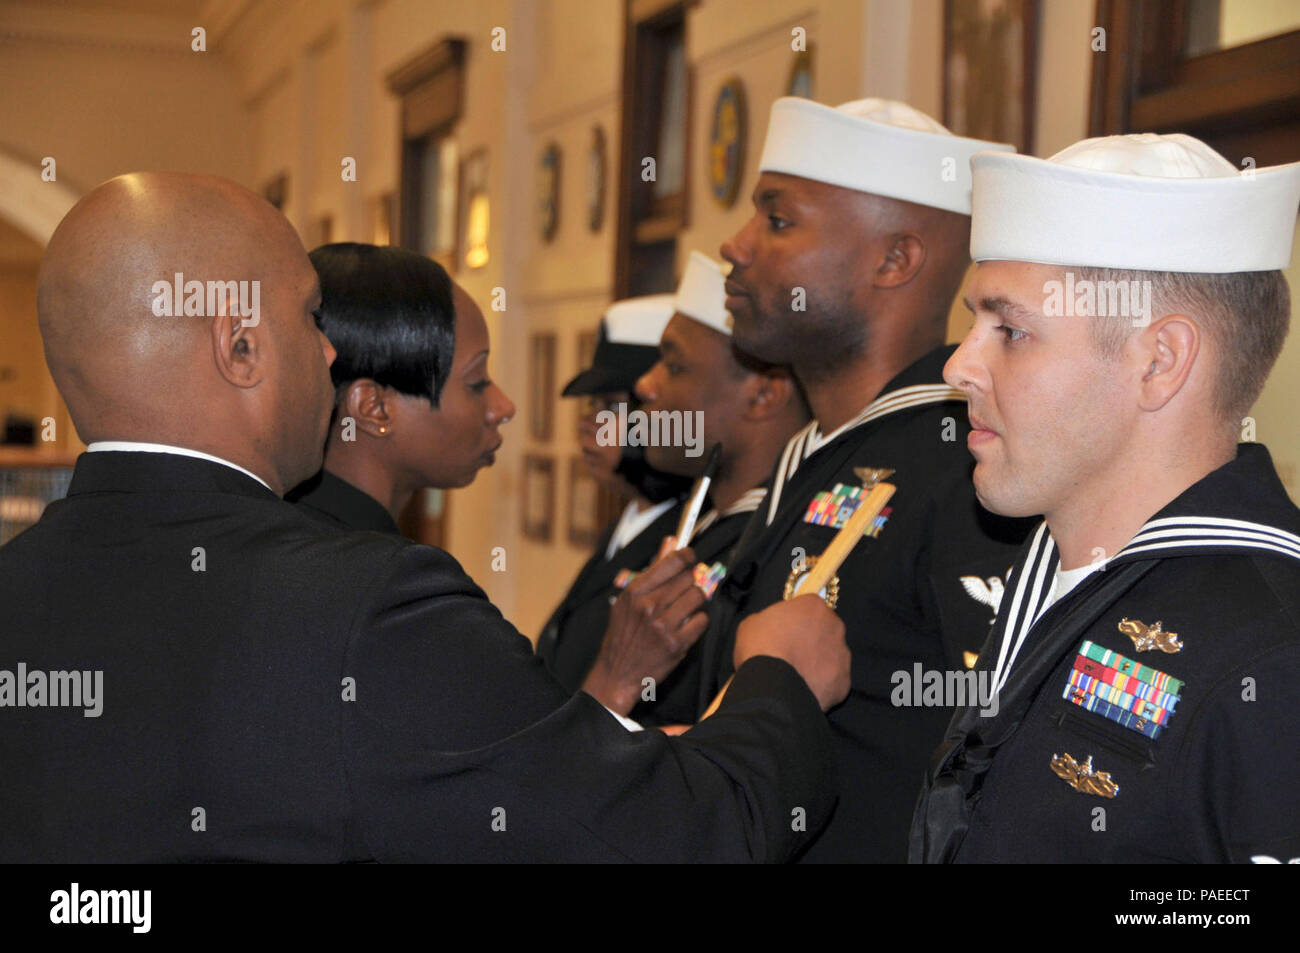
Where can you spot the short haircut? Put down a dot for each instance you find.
(1246, 313)
(389, 314)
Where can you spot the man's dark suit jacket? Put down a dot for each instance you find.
(274, 690)
(571, 638)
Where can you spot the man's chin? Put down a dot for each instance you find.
(746, 338)
(1002, 500)
(674, 464)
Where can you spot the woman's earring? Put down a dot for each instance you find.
(383, 430)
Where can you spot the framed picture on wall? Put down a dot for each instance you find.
(727, 135)
(989, 54)
(381, 219)
(541, 386)
(596, 163)
(584, 505)
(276, 191)
(475, 210)
(586, 349)
(427, 204)
(586, 353)
(548, 192)
(800, 82)
(320, 232)
(539, 498)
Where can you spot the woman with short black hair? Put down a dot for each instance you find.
(414, 406)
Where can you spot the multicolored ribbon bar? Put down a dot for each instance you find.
(833, 508)
(707, 577)
(1121, 690)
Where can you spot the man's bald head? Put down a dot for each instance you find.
(133, 366)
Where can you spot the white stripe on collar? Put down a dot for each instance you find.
(899, 399)
(1029, 598)
(135, 446)
(747, 503)
(1173, 532)
(809, 440)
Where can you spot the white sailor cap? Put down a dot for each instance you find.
(638, 320)
(873, 145)
(627, 345)
(700, 294)
(1143, 202)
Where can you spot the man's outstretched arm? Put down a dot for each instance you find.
(459, 747)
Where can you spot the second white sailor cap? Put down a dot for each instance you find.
(873, 145)
(1144, 202)
(701, 295)
(627, 345)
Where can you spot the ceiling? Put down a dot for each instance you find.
(187, 8)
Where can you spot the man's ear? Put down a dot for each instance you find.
(904, 256)
(767, 395)
(237, 350)
(368, 404)
(1167, 351)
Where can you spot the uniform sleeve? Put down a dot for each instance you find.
(459, 747)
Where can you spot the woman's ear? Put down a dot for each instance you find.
(367, 403)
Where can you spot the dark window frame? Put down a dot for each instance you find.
(1244, 100)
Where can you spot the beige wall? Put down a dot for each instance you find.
(573, 85)
(109, 94)
(25, 385)
(1277, 425)
(26, 388)
(102, 95)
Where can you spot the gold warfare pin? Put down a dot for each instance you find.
(1082, 777)
(870, 476)
(1145, 638)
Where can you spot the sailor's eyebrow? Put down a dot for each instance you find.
(1003, 307)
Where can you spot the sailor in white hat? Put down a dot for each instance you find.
(847, 271)
(748, 408)
(1129, 305)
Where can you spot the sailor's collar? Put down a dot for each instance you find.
(919, 384)
(1241, 507)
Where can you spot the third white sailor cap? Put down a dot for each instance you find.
(1143, 202)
